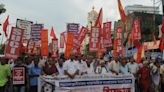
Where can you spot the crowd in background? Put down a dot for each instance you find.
(149, 73)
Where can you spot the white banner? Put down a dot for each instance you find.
(87, 83)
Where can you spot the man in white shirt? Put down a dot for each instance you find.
(82, 65)
(60, 68)
(90, 68)
(133, 67)
(114, 66)
(71, 68)
(101, 68)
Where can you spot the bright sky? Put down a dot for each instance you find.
(59, 12)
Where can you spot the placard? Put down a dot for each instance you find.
(14, 43)
(26, 25)
(18, 75)
(73, 27)
(94, 39)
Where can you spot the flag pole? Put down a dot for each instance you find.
(163, 55)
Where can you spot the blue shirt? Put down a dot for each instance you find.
(34, 80)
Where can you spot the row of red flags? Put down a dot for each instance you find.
(100, 37)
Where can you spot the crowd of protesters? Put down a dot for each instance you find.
(149, 73)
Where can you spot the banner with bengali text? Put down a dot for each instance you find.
(118, 43)
(87, 83)
(107, 34)
(26, 25)
(136, 29)
(81, 35)
(14, 43)
(94, 39)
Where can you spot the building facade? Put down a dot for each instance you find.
(142, 9)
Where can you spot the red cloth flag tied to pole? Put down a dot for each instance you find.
(135, 37)
(81, 35)
(162, 28)
(154, 39)
(5, 25)
(62, 40)
(136, 29)
(122, 13)
(55, 48)
(161, 45)
(98, 23)
(136, 32)
(99, 20)
(54, 44)
(52, 34)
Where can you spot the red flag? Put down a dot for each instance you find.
(62, 40)
(115, 48)
(131, 38)
(5, 24)
(55, 48)
(136, 29)
(121, 10)
(44, 42)
(28, 42)
(81, 35)
(99, 20)
(154, 39)
(161, 45)
(136, 32)
(101, 42)
(52, 34)
(69, 45)
(76, 43)
(31, 45)
(139, 53)
(14, 44)
(162, 28)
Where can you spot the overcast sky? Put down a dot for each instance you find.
(59, 12)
